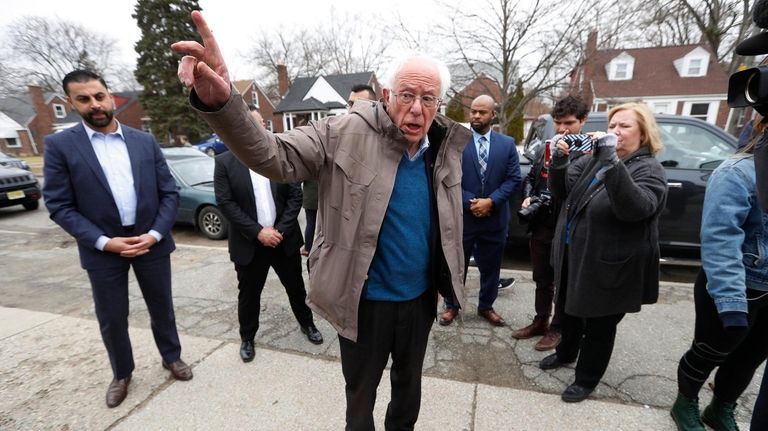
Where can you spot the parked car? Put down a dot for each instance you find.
(197, 201)
(181, 152)
(19, 187)
(211, 145)
(12, 162)
(692, 150)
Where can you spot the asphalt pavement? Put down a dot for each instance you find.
(54, 371)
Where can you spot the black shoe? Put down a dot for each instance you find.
(247, 352)
(313, 335)
(551, 362)
(576, 393)
(506, 282)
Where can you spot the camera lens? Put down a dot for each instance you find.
(752, 89)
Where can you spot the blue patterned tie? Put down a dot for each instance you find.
(483, 155)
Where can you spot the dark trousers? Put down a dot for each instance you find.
(543, 273)
(488, 251)
(250, 282)
(110, 297)
(400, 329)
(591, 339)
(309, 230)
(738, 353)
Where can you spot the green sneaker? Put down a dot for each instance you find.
(685, 413)
(720, 416)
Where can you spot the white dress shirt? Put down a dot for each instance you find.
(112, 153)
(265, 202)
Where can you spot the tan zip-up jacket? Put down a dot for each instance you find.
(354, 158)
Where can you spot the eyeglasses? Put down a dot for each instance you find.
(427, 101)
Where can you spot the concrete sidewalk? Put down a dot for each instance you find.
(54, 370)
(53, 375)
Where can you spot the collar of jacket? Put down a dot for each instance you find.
(375, 114)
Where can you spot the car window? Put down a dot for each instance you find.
(689, 146)
(195, 171)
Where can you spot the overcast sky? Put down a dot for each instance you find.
(234, 22)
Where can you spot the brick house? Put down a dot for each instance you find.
(313, 98)
(253, 95)
(15, 139)
(36, 111)
(681, 80)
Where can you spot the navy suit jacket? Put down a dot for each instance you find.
(502, 177)
(79, 199)
(234, 196)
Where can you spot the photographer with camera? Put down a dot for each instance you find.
(605, 251)
(540, 211)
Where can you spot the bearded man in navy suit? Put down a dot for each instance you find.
(109, 187)
(491, 174)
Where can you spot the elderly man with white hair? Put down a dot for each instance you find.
(389, 224)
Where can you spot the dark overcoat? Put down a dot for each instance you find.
(612, 262)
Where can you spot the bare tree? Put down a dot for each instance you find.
(511, 41)
(321, 50)
(44, 50)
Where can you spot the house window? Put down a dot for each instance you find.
(255, 98)
(699, 110)
(12, 143)
(694, 67)
(620, 72)
(59, 110)
(269, 126)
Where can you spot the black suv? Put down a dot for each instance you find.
(19, 187)
(692, 150)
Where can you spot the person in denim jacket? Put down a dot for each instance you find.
(730, 295)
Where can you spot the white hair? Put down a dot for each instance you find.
(445, 76)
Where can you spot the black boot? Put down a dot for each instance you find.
(719, 415)
(685, 413)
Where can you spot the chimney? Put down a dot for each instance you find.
(590, 56)
(42, 125)
(282, 80)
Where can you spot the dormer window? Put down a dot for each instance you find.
(694, 64)
(694, 67)
(620, 72)
(620, 68)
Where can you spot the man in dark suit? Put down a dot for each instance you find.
(491, 173)
(109, 187)
(263, 232)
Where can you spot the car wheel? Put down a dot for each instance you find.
(212, 223)
(211, 152)
(31, 206)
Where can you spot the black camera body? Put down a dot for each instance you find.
(582, 143)
(749, 87)
(538, 203)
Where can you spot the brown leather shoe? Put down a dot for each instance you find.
(538, 327)
(549, 341)
(117, 391)
(447, 316)
(179, 370)
(492, 317)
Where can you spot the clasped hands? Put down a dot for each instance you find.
(270, 237)
(130, 246)
(481, 207)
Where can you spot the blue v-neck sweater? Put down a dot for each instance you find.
(400, 268)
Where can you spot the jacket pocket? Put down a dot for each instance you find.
(349, 186)
(614, 272)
